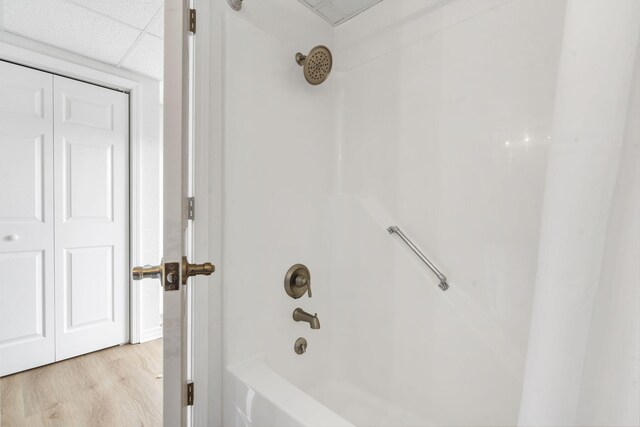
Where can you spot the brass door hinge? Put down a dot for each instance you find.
(189, 393)
(192, 20)
(191, 208)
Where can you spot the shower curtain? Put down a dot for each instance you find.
(596, 117)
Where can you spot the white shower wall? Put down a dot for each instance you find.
(445, 128)
(279, 158)
(610, 389)
(448, 131)
(436, 117)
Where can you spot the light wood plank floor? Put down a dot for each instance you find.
(119, 386)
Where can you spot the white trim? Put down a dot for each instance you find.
(50, 59)
(200, 315)
(151, 334)
(134, 215)
(47, 58)
(207, 303)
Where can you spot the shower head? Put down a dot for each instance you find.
(316, 65)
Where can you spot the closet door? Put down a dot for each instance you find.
(26, 219)
(92, 216)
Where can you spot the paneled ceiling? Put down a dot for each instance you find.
(124, 33)
(338, 11)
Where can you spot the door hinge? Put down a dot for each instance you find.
(189, 393)
(192, 20)
(191, 211)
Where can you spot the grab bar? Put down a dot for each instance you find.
(443, 280)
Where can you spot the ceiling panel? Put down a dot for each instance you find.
(71, 27)
(156, 27)
(133, 12)
(146, 57)
(329, 13)
(352, 7)
(338, 11)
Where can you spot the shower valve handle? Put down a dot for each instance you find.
(304, 282)
(297, 281)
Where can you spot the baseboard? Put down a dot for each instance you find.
(151, 334)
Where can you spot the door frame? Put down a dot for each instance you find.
(207, 230)
(206, 294)
(29, 53)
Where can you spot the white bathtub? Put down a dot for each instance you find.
(259, 397)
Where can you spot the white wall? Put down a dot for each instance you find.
(279, 160)
(151, 211)
(447, 114)
(149, 136)
(610, 389)
(448, 132)
(591, 108)
(437, 117)
(429, 111)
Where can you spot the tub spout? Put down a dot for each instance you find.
(299, 315)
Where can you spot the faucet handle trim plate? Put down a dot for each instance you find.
(300, 346)
(297, 281)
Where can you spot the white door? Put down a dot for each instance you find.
(175, 270)
(176, 142)
(26, 219)
(92, 217)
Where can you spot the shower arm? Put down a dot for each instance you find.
(443, 280)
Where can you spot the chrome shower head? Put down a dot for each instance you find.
(316, 65)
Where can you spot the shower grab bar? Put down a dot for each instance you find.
(443, 280)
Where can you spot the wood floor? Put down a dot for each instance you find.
(119, 386)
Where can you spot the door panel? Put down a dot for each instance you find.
(21, 97)
(22, 162)
(25, 304)
(83, 112)
(92, 216)
(88, 162)
(26, 219)
(88, 286)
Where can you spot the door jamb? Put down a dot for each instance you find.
(207, 294)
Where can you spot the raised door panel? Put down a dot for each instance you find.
(22, 162)
(23, 99)
(26, 326)
(91, 164)
(26, 219)
(88, 188)
(88, 287)
(22, 312)
(84, 112)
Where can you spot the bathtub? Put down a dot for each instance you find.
(260, 397)
(386, 379)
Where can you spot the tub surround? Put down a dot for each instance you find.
(438, 117)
